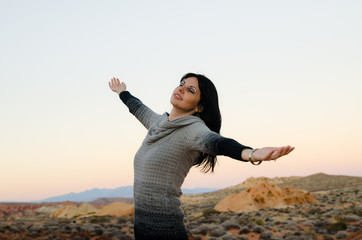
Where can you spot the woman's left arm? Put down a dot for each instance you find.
(215, 144)
(265, 153)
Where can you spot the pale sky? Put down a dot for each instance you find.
(287, 73)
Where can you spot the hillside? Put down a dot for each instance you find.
(336, 213)
(321, 182)
(195, 204)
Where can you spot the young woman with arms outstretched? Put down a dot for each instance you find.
(176, 141)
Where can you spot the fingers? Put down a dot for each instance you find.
(276, 153)
(269, 155)
(287, 150)
(282, 151)
(114, 82)
(291, 149)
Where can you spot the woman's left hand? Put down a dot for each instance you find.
(271, 153)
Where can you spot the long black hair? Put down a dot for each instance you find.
(210, 114)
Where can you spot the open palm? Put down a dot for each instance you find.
(116, 86)
(271, 153)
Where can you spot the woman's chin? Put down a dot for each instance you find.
(174, 101)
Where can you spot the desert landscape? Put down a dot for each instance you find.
(317, 207)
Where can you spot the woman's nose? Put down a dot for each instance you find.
(182, 89)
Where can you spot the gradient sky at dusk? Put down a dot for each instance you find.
(287, 73)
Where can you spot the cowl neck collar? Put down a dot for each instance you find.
(164, 127)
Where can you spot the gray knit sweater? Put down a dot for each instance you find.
(166, 155)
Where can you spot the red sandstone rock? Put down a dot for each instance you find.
(117, 209)
(264, 195)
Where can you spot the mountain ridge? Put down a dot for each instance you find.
(119, 192)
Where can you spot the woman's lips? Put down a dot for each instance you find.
(178, 97)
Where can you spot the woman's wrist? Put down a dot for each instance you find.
(245, 154)
(251, 157)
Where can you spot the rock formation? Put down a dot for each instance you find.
(73, 211)
(257, 180)
(116, 209)
(264, 195)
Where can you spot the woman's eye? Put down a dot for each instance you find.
(191, 91)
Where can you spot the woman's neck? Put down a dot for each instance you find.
(175, 113)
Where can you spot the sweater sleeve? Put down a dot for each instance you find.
(143, 113)
(214, 144)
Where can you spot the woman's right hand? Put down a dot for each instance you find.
(116, 86)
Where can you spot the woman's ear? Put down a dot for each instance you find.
(199, 108)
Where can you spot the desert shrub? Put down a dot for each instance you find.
(259, 221)
(335, 227)
(284, 210)
(310, 233)
(266, 236)
(352, 218)
(314, 211)
(341, 235)
(197, 237)
(217, 231)
(99, 220)
(244, 230)
(258, 229)
(244, 221)
(223, 218)
(33, 234)
(202, 229)
(328, 237)
(6, 227)
(341, 218)
(64, 221)
(209, 212)
(229, 224)
(125, 219)
(358, 212)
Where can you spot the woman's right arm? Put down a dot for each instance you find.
(144, 114)
(116, 86)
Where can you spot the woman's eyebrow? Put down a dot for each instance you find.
(183, 81)
(193, 87)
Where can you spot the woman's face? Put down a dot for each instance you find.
(186, 96)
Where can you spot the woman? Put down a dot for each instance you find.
(187, 136)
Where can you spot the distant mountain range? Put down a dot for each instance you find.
(315, 182)
(120, 192)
